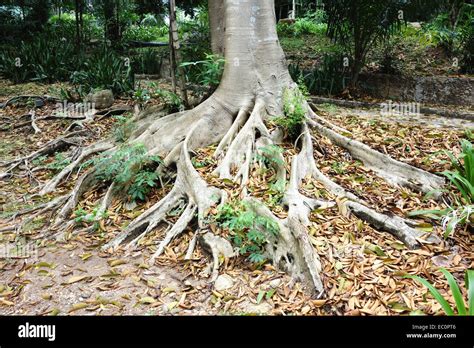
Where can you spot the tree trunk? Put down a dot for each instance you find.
(217, 25)
(111, 24)
(236, 118)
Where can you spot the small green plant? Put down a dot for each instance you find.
(144, 181)
(462, 309)
(60, 162)
(39, 161)
(146, 33)
(463, 175)
(81, 216)
(270, 155)
(172, 101)
(249, 232)
(461, 212)
(294, 112)
(206, 72)
(130, 168)
(451, 217)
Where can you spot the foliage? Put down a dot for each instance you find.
(195, 35)
(294, 112)
(82, 216)
(453, 30)
(65, 26)
(146, 33)
(359, 24)
(312, 23)
(147, 61)
(130, 168)
(104, 69)
(60, 162)
(327, 78)
(441, 34)
(270, 155)
(205, 72)
(47, 58)
(462, 309)
(172, 101)
(50, 58)
(249, 231)
(462, 177)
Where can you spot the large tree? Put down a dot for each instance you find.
(236, 117)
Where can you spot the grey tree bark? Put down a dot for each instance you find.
(217, 26)
(234, 117)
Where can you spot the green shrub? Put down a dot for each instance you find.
(195, 35)
(467, 47)
(47, 58)
(130, 168)
(65, 26)
(104, 69)
(124, 129)
(328, 78)
(305, 26)
(462, 309)
(60, 162)
(270, 155)
(146, 33)
(147, 61)
(205, 72)
(463, 175)
(249, 232)
(460, 213)
(285, 29)
(294, 112)
(172, 101)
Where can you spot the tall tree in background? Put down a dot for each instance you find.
(112, 25)
(255, 89)
(357, 24)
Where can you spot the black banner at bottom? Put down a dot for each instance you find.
(16, 331)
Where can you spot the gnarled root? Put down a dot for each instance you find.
(393, 171)
(175, 136)
(189, 188)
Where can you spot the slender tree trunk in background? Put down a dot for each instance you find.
(81, 20)
(172, 61)
(236, 119)
(176, 55)
(110, 17)
(78, 25)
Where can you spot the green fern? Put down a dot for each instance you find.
(294, 112)
(249, 232)
(130, 168)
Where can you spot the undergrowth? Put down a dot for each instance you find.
(248, 231)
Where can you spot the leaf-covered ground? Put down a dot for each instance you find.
(362, 268)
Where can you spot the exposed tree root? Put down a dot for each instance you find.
(393, 171)
(50, 186)
(51, 147)
(240, 132)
